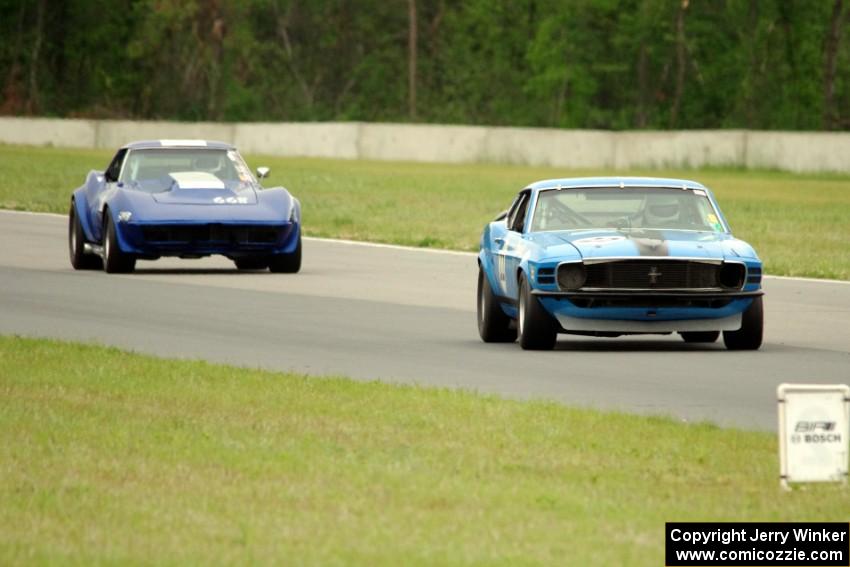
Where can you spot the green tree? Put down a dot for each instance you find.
(767, 64)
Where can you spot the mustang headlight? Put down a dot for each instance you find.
(571, 276)
(732, 275)
(125, 216)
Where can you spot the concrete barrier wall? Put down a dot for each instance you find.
(799, 151)
(48, 132)
(116, 133)
(422, 142)
(317, 139)
(688, 148)
(597, 149)
(550, 147)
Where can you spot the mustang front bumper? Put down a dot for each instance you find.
(647, 311)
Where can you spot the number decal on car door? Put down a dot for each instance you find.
(501, 269)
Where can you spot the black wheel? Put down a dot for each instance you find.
(76, 244)
(286, 263)
(700, 336)
(115, 261)
(493, 325)
(537, 329)
(250, 263)
(749, 336)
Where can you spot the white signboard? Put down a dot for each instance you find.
(814, 432)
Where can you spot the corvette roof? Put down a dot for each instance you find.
(157, 144)
(575, 182)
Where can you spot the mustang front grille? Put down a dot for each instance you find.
(211, 234)
(660, 274)
(654, 302)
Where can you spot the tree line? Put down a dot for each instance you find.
(610, 64)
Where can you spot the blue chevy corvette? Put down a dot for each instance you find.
(616, 256)
(186, 198)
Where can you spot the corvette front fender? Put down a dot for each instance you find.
(295, 215)
(282, 201)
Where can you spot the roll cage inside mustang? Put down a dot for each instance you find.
(518, 211)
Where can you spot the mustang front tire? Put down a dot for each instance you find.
(76, 244)
(537, 329)
(286, 263)
(115, 261)
(493, 325)
(749, 336)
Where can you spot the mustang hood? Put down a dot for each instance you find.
(635, 243)
(197, 188)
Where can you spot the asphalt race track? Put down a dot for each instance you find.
(401, 315)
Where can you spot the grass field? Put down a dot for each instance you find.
(800, 225)
(111, 457)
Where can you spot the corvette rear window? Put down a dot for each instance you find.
(643, 207)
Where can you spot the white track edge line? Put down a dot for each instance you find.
(14, 212)
(390, 246)
(428, 250)
(810, 280)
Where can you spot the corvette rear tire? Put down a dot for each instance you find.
(251, 263)
(493, 325)
(76, 245)
(286, 263)
(115, 260)
(749, 336)
(700, 336)
(536, 328)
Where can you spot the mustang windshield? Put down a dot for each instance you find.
(151, 170)
(642, 207)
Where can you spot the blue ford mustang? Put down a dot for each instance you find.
(186, 198)
(616, 256)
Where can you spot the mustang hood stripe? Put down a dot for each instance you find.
(612, 243)
(649, 243)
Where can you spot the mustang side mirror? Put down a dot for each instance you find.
(263, 172)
